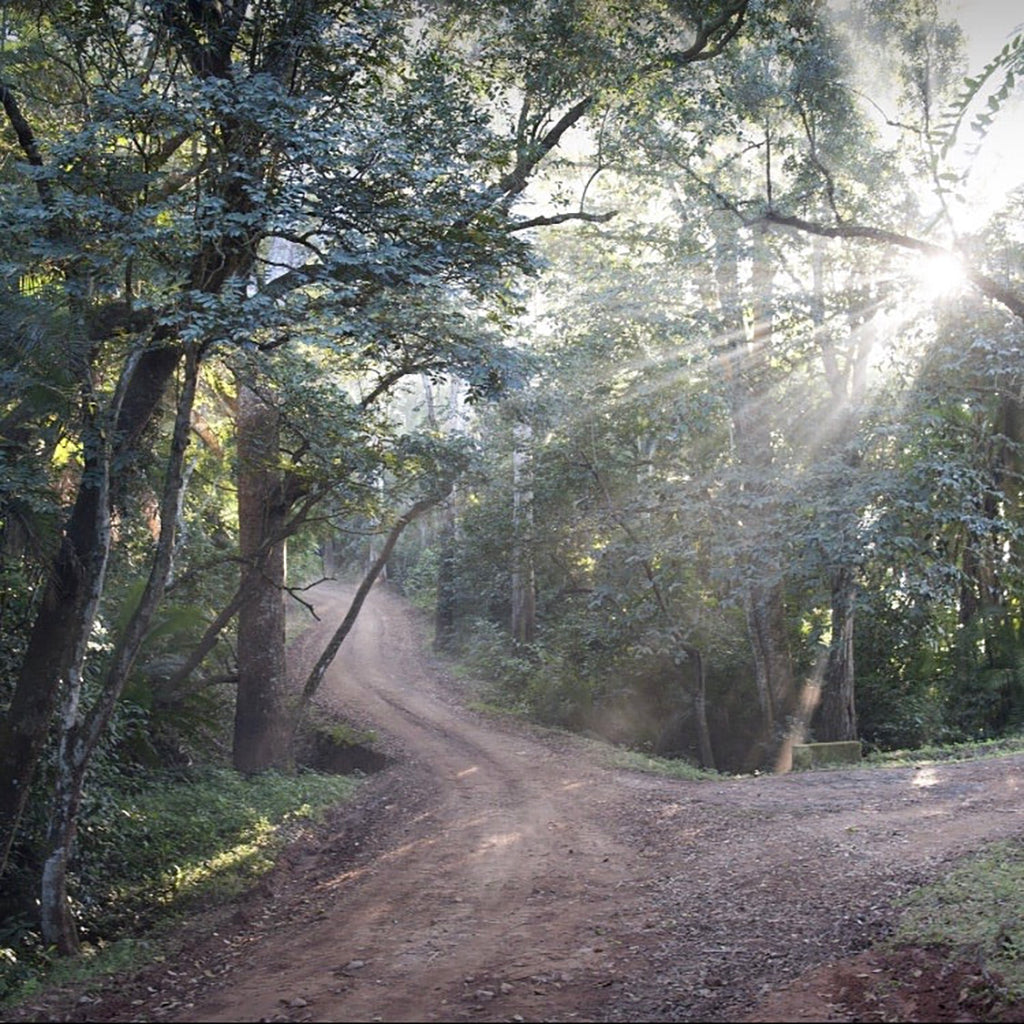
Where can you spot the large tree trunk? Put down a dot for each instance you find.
(837, 713)
(769, 642)
(57, 923)
(67, 609)
(700, 705)
(82, 729)
(262, 733)
(62, 619)
(446, 598)
(746, 369)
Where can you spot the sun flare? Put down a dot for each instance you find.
(940, 276)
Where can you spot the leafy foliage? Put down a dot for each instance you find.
(154, 847)
(727, 414)
(1007, 64)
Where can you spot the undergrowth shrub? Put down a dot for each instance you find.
(419, 580)
(490, 654)
(893, 715)
(150, 850)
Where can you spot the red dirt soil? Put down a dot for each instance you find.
(499, 873)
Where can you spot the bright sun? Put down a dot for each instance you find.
(940, 276)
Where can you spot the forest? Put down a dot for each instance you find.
(666, 353)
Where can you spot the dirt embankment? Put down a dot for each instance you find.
(496, 874)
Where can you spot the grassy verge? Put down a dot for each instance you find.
(636, 761)
(950, 752)
(975, 913)
(150, 855)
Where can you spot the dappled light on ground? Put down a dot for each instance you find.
(497, 842)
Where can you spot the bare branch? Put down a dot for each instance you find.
(599, 166)
(515, 181)
(293, 593)
(730, 18)
(386, 380)
(816, 162)
(305, 240)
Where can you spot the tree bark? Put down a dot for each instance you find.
(837, 712)
(60, 618)
(769, 643)
(836, 715)
(746, 372)
(63, 617)
(446, 600)
(700, 706)
(262, 736)
(81, 731)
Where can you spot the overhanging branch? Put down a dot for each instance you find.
(725, 26)
(329, 653)
(986, 285)
(561, 218)
(515, 181)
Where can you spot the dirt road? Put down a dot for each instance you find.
(497, 874)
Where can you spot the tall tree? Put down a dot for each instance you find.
(262, 736)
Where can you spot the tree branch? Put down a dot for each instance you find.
(386, 380)
(26, 139)
(515, 181)
(733, 13)
(730, 19)
(561, 218)
(991, 289)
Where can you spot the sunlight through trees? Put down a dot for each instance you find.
(669, 355)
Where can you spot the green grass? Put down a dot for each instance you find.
(25, 978)
(976, 912)
(181, 839)
(675, 768)
(950, 752)
(148, 856)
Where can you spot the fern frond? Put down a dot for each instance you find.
(1008, 62)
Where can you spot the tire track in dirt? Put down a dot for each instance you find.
(490, 902)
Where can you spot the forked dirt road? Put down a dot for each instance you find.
(496, 873)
